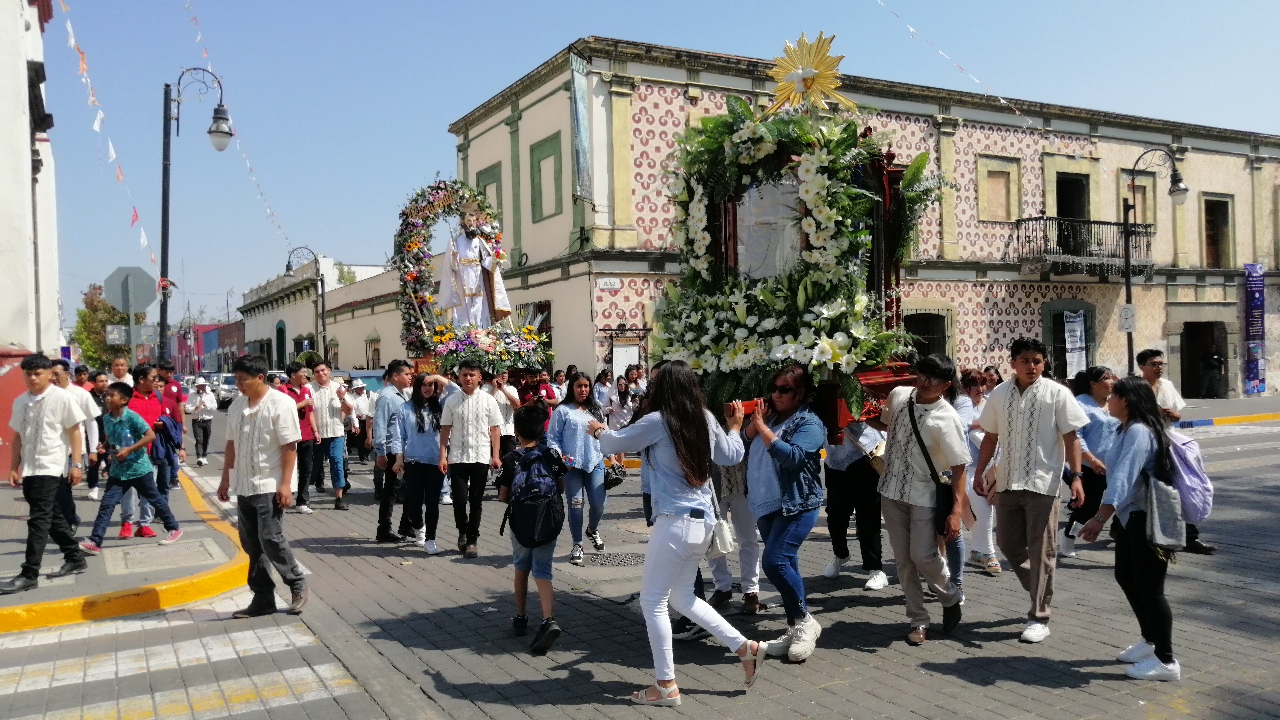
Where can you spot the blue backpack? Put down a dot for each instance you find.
(536, 508)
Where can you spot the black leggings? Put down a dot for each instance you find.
(1140, 573)
(468, 481)
(855, 489)
(423, 482)
(1094, 486)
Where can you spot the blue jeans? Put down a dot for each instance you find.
(145, 486)
(536, 561)
(578, 483)
(129, 504)
(335, 449)
(955, 559)
(783, 535)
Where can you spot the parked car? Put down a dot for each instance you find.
(225, 387)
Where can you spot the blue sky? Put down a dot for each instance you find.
(343, 107)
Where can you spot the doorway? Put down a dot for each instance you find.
(930, 330)
(1204, 350)
(1217, 233)
(624, 356)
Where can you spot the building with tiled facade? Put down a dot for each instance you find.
(591, 245)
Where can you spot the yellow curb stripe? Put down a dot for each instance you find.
(144, 599)
(1244, 419)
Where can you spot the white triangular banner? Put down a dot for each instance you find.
(97, 121)
(111, 151)
(143, 239)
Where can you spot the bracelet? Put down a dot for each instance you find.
(1099, 518)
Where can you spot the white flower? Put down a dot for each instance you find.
(821, 354)
(768, 324)
(860, 304)
(858, 329)
(752, 320)
(807, 337)
(835, 308)
(849, 363)
(842, 341)
(808, 193)
(807, 170)
(740, 334)
(825, 215)
(808, 226)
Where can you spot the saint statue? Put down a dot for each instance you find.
(473, 289)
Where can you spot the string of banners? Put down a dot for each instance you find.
(99, 121)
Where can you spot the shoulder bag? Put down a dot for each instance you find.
(723, 541)
(944, 498)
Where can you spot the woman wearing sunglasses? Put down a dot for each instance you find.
(783, 472)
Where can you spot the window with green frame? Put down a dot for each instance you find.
(489, 183)
(545, 168)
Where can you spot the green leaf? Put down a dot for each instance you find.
(915, 171)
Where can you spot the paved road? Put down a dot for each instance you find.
(438, 626)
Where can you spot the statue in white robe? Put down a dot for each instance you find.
(473, 288)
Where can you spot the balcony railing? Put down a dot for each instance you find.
(1066, 246)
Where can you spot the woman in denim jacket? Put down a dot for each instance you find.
(783, 466)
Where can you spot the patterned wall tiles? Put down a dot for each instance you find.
(914, 134)
(631, 305)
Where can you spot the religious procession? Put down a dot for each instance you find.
(852, 379)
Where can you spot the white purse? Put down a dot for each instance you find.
(723, 541)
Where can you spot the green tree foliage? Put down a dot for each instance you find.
(346, 275)
(91, 329)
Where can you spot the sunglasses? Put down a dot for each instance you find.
(781, 390)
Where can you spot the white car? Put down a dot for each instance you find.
(224, 385)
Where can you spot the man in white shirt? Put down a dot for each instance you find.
(120, 372)
(261, 456)
(362, 406)
(89, 431)
(201, 405)
(331, 406)
(46, 424)
(1034, 419)
(472, 420)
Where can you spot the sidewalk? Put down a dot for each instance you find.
(1207, 409)
(130, 576)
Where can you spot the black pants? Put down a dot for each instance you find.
(467, 481)
(306, 460)
(506, 443)
(854, 488)
(1140, 573)
(423, 482)
(1193, 533)
(67, 505)
(1094, 486)
(387, 502)
(91, 472)
(356, 440)
(45, 520)
(261, 528)
(200, 430)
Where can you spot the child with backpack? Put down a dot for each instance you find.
(532, 485)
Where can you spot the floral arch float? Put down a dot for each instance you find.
(793, 224)
(427, 331)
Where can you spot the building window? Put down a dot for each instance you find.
(999, 189)
(545, 178)
(1138, 189)
(1217, 231)
(375, 356)
(930, 331)
(489, 182)
(1053, 317)
(1072, 191)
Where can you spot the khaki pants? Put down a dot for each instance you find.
(1026, 530)
(915, 549)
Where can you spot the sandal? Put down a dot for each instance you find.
(757, 660)
(993, 565)
(664, 699)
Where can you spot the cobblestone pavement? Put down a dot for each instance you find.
(441, 625)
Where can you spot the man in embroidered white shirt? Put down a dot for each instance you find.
(472, 419)
(259, 469)
(1034, 421)
(331, 407)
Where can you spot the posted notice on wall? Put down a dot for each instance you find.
(1073, 334)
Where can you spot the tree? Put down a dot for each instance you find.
(346, 275)
(91, 329)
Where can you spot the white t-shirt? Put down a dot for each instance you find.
(906, 473)
(1168, 397)
(258, 434)
(127, 379)
(43, 421)
(506, 408)
(471, 417)
(89, 408)
(1031, 424)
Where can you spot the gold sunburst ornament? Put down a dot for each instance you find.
(808, 72)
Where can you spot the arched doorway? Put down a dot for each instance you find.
(280, 361)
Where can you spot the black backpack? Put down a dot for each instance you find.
(536, 509)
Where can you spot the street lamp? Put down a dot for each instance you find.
(319, 276)
(219, 135)
(1178, 192)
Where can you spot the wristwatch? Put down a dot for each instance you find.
(77, 466)
(1075, 475)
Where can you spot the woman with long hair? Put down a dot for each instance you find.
(568, 435)
(621, 405)
(601, 389)
(414, 441)
(1139, 455)
(973, 398)
(1091, 386)
(783, 472)
(680, 440)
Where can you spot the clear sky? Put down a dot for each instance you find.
(343, 106)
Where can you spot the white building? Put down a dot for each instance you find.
(282, 315)
(29, 308)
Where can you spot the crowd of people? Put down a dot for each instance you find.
(955, 450)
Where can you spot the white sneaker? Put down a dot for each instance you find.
(805, 639)
(1035, 632)
(1066, 545)
(305, 510)
(1153, 669)
(1137, 652)
(779, 647)
(431, 548)
(95, 494)
(833, 568)
(420, 538)
(575, 555)
(446, 499)
(877, 581)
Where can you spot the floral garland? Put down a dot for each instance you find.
(736, 330)
(496, 348)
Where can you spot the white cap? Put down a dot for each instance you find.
(201, 381)
(357, 383)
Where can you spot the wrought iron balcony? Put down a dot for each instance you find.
(1066, 246)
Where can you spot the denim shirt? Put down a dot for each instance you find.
(1132, 454)
(568, 436)
(671, 492)
(1100, 433)
(797, 458)
(389, 402)
(404, 438)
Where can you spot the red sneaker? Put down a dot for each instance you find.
(90, 547)
(145, 531)
(172, 538)
(126, 531)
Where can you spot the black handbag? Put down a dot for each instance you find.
(944, 499)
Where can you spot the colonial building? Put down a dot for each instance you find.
(574, 152)
(364, 323)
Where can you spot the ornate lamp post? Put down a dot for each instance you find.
(220, 135)
(1177, 193)
(323, 323)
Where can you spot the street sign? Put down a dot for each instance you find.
(130, 289)
(1128, 321)
(119, 334)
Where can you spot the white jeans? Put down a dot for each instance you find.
(676, 545)
(981, 538)
(738, 510)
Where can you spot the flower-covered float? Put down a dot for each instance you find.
(793, 225)
(469, 317)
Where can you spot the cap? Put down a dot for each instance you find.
(357, 383)
(201, 381)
